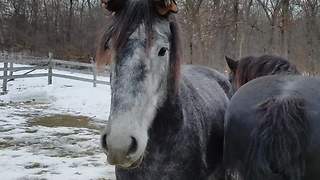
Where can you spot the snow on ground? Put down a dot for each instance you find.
(67, 95)
(52, 132)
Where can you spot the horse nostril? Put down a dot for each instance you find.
(133, 146)
(104, 142)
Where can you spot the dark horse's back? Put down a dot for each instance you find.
(273, 129)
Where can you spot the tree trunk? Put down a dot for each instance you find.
(236, 29)
(69, 30)
(284, 28)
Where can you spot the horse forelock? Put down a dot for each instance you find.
(122, 25)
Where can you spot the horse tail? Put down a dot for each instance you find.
(278, 144)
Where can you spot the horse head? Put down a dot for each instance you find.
(144, 67)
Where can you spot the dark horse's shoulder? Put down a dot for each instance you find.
(201, 91)
(202, 96)
(204, 99)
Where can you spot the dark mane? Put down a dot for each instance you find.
(175, 55)
(252, 67)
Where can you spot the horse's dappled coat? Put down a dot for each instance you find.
(165, 122)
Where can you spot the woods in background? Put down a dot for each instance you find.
(211, 29)
(68, 28)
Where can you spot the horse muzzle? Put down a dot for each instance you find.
(122, 150)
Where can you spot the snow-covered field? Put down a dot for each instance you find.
(52, 132)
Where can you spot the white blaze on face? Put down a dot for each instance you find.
(139, 87)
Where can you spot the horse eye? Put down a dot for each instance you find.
(162, 51)
(106, 45)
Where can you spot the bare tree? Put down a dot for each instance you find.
(284, 28)
(272, 10)
(311, 10)
(211, 29)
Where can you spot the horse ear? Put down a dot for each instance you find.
(233, 64)
(165, 7)
(113, 5)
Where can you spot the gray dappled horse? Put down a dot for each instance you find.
(165, 122)
(272, 123)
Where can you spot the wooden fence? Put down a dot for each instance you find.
(48, 64)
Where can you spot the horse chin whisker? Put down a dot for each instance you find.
(140, 161)
(136, 164)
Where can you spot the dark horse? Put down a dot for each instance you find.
(163, 124)
(272, 128)
(249, 68)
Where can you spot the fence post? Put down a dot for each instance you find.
(50, 66)
(94, 71)
(3, 55)
(11, 68)
(5, 76)
(11, 71)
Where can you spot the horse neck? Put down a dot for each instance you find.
(168, 120)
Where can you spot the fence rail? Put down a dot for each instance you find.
(72, 63)
(15, 69)
(49, 64)
(80, 78)
(24, 76)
